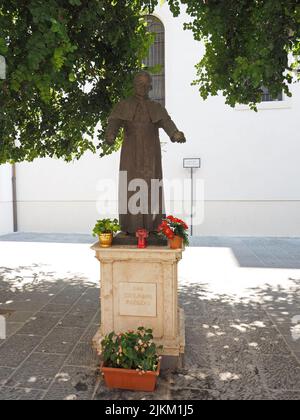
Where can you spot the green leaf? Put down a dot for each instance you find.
(75, 2)
(3, 47)
(72, 77)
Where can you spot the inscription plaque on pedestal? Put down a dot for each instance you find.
(138, 299)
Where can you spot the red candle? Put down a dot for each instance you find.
(142, 235)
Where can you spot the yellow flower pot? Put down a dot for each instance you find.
(106, 240)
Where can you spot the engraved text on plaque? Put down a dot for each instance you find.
(138, 299)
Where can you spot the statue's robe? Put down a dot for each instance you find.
(140, 158)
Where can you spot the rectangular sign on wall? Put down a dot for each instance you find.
(191, 163)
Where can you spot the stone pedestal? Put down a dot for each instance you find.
(140, 288)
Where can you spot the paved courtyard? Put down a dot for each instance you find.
(241, 298)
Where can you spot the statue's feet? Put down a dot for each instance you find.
(125, 234)
(128, 238)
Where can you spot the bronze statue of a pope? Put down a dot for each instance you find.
(141, 161)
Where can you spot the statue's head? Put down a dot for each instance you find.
(142, 84)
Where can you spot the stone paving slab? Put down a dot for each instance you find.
(20, 394)
(197, 356)
(19, 317)
(69, 295)
(268, 341)
(195, 394)
(37, 372)
(90, 334)
(40, 324)
(17, 348)
(78, 320)
(280, 372)
(56, 308)
(48, 237)
(285, 396)
(74, 383)
(60, 340)
(24, 306)
(242, 323)
(12, 328)
(5, 373)
(83, 355)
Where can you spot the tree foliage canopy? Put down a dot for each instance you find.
(250, 44)
(69, 61)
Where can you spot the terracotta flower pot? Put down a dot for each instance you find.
(176, 242)
(106, 240)
(130, 379)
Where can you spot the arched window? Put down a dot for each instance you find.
(157, 58)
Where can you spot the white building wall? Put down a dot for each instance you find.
(6, 214)
(250, 161)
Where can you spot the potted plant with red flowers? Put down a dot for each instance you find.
(131, 360)
(175, 230)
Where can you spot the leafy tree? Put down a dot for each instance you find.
(68, 61)
(248, 43)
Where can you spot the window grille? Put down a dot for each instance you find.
(157, 58)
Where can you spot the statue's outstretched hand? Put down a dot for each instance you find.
(179, 137)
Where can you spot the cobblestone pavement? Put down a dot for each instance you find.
(241, 298)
